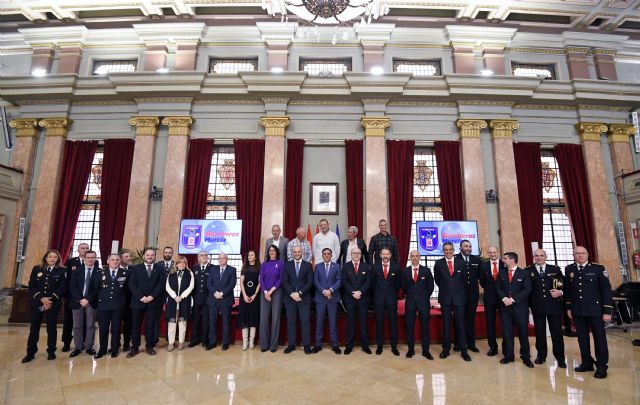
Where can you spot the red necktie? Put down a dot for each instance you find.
(386, 271)
(510, 275)
(450, 264)
(355, 266)
(495, 271)
(415, 274)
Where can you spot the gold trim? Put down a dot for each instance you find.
(486, 102)
(470, 128)
(275, 126)
(375, 126)
(325, 102)
(544, 106)
(58, 126)
(421, 104)
(145, 125)
(503, 129)
(25, 127)
(178, 125)
(590, 131)
(620, 133)
(228, 101)
(535, 50)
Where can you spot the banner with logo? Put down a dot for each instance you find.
(432, 234)
(210, 235)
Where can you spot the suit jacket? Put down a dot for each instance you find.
(488, 283)
(141, 285)
(588, 291)
(200, 289)
(72, 264)
(471, 275)
(386, 291)
(540, 300)
(282, 247)
(52, 286)
(76, 287)
(302, 284)
(519, 289)
(109, 294)
(451, 290)
(332, 282)
(225, 285)
(344, 245)
(419, 292)
(356, 282)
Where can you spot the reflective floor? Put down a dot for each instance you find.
(194, 376)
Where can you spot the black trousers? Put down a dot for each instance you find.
(109, 319)
(297, 310)
(555, 327)
(490, 315)
(510, 318)
(127, 319)
(199, 323)
(470, 321)
(67, 323)
(151, 317)
(461, 335)
(410, 311)
(51, 318)
(392, 315)
(583, 323)
(359, 308)
(225, 312)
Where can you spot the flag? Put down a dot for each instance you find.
(338, 231)
(317, 229)
(310, 240)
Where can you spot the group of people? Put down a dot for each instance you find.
(346, 272)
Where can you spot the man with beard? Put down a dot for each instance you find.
(472, 292)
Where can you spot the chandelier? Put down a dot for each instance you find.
(328, 12)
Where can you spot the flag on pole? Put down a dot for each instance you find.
(310, 240)
(338, 231)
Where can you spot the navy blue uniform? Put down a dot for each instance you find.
(516, 314)
(110, 292)
(451, 296)
(491, 301)
(50, 283)
(356, 282)
(546, 308)
(200, 311)
(417, 299)
(472, 295)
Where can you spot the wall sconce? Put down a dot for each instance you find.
(491, 195)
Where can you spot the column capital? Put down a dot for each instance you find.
(275, 126)
(470, 128)
(178, 125)
(145, 124)
(503, 129)
(375, 126)
(25, 127)
(621, 132)
(58, 126)
(590, 131)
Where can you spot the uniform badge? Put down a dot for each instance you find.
(73, 268)
(605, 274)
(364, 272)
(571, 274)
(196, 273)
(533, 274)
(423, 278)
(104, 278)
(39, 274)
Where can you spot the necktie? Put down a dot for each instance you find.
(87, 279)
(297, 269)
(355, 267)
(510, 275)
(540, 270)
(386, 271)
(326, 268)
(81, 262)
(113, 274)
(149, 268)
(495, 271)
(415, 274)
(450, 264)
(221, 272)
(581, 268)
(48, 270)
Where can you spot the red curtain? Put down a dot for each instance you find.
(293, 195)
(450, 179)
(76, 167)
(114, 196)
(400, 181)
(529, 178)
(575, 188)
(355, 182)
(249, 181)
(197, 182)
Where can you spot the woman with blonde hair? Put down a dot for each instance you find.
(179, 286)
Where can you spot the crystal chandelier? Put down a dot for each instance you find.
(328, 12)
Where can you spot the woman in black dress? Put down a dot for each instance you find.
(249, 316)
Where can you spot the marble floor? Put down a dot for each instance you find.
(194, 376)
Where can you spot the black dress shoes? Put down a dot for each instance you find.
(114, 354)
(427, 355)
(289, 349)
(307, 350)
(528, 363)
(379, 350)
(600, 373)
(193, 344)
(91, 352)
(274, 350)
(125, 348)
(209, 347)
(28, 358)
(584, 367)
(51, 356)
(66, 347)
(562, 364)
(336, 349)
(317, 349)
(506, 360)
(410, 354)
(133, 353)
(444, 354)
(99, 355)
(225, 347)
(150, 351)
(366, 350)
(492, 352)
(465, 356)
(75, 353)
(348, 350)
(539, 360)
(473, 349)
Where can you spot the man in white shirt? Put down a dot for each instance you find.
(325, 239)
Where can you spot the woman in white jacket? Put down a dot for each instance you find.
(179, 286)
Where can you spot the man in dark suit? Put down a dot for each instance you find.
(590, 304)
(297, 283)
(200, 310)
(347, 245)
(418, 285)
(127, 315)
(449, 276)
(221, 282)
(82, 306)
(546, 305)
(146, 283)
(514, 288)
(488, 275)
(472, 292)
(385, 283)
(327, 279)
(356, 280)
(276, 239)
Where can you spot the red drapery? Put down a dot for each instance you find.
(575, 188)
(529, 178)
(76, 167)
(450, 179)
(293, 195)
(249, 181)
(196, 182)
(355, 180)
(114, 194)
(400, 180)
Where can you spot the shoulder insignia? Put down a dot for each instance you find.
(605, 273)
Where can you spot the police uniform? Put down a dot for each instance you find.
(545, 309)
(589, 297)
(200, 312)
(50, 282)
(109, 289)
(472, 294)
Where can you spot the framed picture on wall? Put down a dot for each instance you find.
(323, 198)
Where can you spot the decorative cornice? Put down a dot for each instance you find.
(503, 129)
(375, 126)
(470, 128)
(621, 133)
(58, 126)
(178, 125)
(590, 131)
(25, 127)
(275, 126)
(145, 125)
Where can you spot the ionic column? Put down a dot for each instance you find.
(137, 222)
(376, 184)
(174, 172)
(475, 205)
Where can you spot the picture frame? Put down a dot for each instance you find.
(324, 199)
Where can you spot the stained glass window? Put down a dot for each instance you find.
(88, 225)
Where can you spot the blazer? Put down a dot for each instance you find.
(386, 291)
(356, 282)
(588, 291)
(302, 284)
(282, 247)
(52, 286)
(141, 285)
(344, 245)
(451, 290)
(200, 289)
(471, 276)
(322, 282)
(419, 292)
(519, 289)
(72, 264)
(487, 282)
(108, 293)
(225, 285)
(540, 300)
(76, 287)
